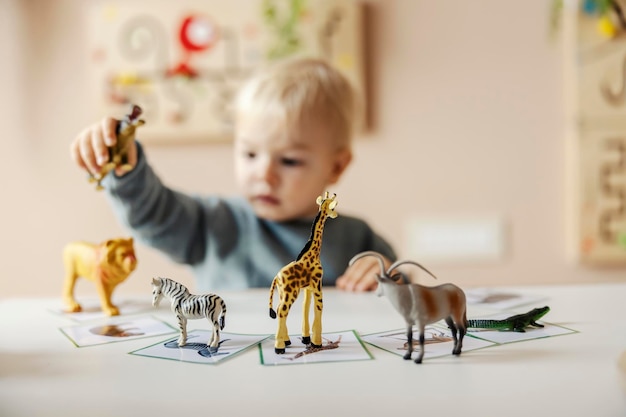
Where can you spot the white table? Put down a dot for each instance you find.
(43, 374)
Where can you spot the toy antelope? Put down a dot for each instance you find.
(420, 305)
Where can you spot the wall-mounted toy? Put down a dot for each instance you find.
(304, 273)
(420, 305)
(189, 306)
(107, 265)
(118, 154)
(517, 322)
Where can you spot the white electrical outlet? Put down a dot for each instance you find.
(455, 239)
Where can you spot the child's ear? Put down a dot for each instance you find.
(342, 160)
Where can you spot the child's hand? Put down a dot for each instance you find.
(89, 149)
(361, 276)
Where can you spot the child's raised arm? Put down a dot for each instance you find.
(89, 149)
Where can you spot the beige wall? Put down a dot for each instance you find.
(467, 119)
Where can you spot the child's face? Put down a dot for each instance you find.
(281, 173)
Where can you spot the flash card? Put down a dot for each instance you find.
(336, 347)
(437, 342)
(115, 330)
(196, 349)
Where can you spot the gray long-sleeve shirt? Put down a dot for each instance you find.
(224, 242)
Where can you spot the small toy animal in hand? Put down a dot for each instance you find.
(106, 265)
(118, 154)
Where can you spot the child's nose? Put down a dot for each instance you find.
(267, 171)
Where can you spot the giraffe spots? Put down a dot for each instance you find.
(304, 273)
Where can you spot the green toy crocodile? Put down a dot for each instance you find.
(517, 322)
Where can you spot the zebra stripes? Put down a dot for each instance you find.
(189, 306)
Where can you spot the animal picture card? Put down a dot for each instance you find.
(438, 342)
(495, 299)
(93, 311)
(117, 329)
(336, 347)
(196, 350)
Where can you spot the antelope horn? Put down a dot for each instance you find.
(398, 263)
(135, 112)
(369, 253)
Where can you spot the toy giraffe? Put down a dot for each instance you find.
(303, 273)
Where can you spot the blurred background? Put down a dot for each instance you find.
(464, 164)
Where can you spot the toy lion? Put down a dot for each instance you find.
(107, 265)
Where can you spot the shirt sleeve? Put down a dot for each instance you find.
(158, 216)
(345, 237)
(381, 246)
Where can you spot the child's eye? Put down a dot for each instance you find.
(291, 162)
(250, 155)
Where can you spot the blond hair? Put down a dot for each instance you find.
(303, 91)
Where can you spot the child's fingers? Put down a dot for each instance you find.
(108, 127)
(75, 154)
(367, 266)
(361, 267)
(360, 276)
(366, 281)
(357, 283)
(89, 150)
(85, 149)
(81, 153)
(98, 146)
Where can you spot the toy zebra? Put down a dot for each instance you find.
(190, 306)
